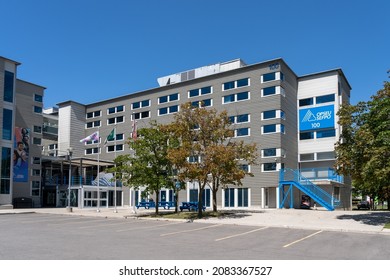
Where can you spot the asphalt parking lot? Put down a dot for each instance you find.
(37, 236)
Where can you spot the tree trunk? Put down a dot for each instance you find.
(200, 200)
(157, 200)
(215, 190)
(176, 200)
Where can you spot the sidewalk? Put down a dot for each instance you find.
(346, 221)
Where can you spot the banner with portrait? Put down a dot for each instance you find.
(21, 154)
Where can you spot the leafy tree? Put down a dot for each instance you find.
(148, 165)
(363, 151)
(206, 154)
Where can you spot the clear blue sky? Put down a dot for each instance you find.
(90, 50)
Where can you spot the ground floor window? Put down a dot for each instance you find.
(229, 197)
(206, 197)
(243, 197)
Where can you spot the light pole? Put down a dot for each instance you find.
(69, 208)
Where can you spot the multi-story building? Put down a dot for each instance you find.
(21, 138)
(292, 119)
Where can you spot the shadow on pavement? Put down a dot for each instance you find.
(371, 218)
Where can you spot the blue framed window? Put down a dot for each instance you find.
(271, 152)
(243, 82)
(242, 118)
(326, 133)
(270, 128)
(306, 135)
(271, 114)
(242, 96)
(38, 98)
(229, 98)
(243, 197)
(269, 166)
(229, 85)
(193, 92)
(168, 98)
(229, 197)
(174, 97)
(306, 102)
(269, 91)
(7, 124)
(9, 86)
(163, 99)
(325, 98)
(244, 131)
(205, 90)
(269, 77)
(37, 109)
(236, 84)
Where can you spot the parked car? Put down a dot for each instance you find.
(363, 205)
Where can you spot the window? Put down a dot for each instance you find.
(305, 102)
(5, 170)
(235, 97)
(7, 124)
(229, 197)
(36, 172)
(37, 109)
(306, 157)
(325, 155)
(116, 120)
(91, 151)
(141, 115)
(270, 152)
(115, 148)
(244, 118)
(243, 197)
(53, 146)
(38, 98)
(93, 114)
(35, 188)
(325, 98)
(37, 141)
(36, 160)
(8, 86)
(269, 166)
(37, 129)
(235, 84)
(269, 91)
(202, 103)
(116, 109)
(92, 124)
(326, 133)
(242, 132)
(306, 135)
(168, 98)
(140, 104)
(199, 91)
(168, 110)
(270, 128)
(269, 114)
(118, 137)
(193, 159)
(269, 77)
(244, 167)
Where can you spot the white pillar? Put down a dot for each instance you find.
(277, 197)
(262, 198)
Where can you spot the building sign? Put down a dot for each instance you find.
(21, 154)
(316, 118)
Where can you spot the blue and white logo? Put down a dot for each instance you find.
(316, 118)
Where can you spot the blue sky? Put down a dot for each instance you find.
(90, 50)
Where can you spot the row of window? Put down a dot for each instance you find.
(317, 134)
(203, 91)
(318, 100)
(317, 156)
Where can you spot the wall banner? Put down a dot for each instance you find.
(316, 118)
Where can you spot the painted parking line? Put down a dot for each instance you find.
(299, 240)
(105, 224)
(190, 230)
(141, 228)
(240, 234)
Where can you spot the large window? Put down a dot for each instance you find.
(7, 124)
(325, 98)
(244, 118)
(200, 91)
(168, 110)
(140, 104)
(38, 98)
(235, 97)
(116, 109)
(93, 114)
(5, 170)
(273, 128)
(115, 148)
(269, 166)
(92, 124)
(37, 110)
(326, 133)
(229, 197)
(202, 103)
(241, 132)
(270, 152)
(116, 120)
(8, 86)
(235, 84)
(243, 197)
(168, 98)
(35, 188)
(141, 115)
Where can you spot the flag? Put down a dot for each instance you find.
(111, 136)
(93, 137)
(134, 130)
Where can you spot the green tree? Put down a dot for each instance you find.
(363, 151)
(207, 155)
(147, 166)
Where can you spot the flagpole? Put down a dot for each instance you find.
(133, 190)
(115, 210)
(98, 179)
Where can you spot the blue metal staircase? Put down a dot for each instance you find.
(293, 178)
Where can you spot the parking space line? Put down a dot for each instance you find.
(190, 230)
(164, 225)
(105, 224)
(299, 240)
(240, 234)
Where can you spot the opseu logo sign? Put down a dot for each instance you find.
(316, 118)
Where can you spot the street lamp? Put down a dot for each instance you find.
(69, 208)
